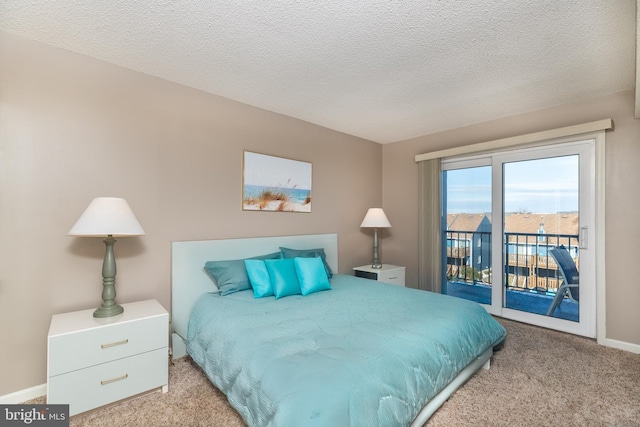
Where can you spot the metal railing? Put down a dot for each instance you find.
(462, 251)
(528, 264)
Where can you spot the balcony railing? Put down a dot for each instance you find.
(528, 264)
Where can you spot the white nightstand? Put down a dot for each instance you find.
(93, 362)
(392, 274)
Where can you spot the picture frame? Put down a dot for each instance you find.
(275, 184)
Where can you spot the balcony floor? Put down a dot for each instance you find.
(532, 302)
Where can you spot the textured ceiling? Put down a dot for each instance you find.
(384, 70)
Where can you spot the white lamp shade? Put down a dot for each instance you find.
(375, 218)
(107, 216)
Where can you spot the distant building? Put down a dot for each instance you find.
(557, 229)
(469, 240)
(529, 237)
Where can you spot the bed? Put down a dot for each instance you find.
(362, 353)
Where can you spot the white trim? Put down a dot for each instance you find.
(485, 158)
(600, 260)
(466, 162)
(24, 395)
(536, 138)
(621, 345)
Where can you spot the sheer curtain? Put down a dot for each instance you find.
(430, 226)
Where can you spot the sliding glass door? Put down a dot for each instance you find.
(467, 223)
(517, 226)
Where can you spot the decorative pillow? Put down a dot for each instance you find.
(259, 278)
(311, 275)
(231, 275)
(284, 280)
(307, 253)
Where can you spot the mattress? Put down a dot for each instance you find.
(364, 353)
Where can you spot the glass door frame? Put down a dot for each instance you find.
(587, 307)
(586, 149)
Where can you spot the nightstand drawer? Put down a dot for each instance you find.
(387, 273)
(106, 383)
(394, 277)
(367, 275)
(71, 352)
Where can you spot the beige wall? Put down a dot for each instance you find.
(400, 189)
(73, 128)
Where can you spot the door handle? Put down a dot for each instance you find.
(584, 238)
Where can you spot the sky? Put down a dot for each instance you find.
(537, 186)
(271, 171)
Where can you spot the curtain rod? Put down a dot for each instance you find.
(598, 125)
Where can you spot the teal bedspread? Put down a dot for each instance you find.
(362, 354)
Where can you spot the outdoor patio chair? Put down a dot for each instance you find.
(570, 277)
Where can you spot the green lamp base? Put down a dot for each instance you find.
(114, 310)
(109, 307)
(375, 263)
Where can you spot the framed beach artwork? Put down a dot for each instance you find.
(271, 183)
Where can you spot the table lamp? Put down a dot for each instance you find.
(375, 218)
(107, 217)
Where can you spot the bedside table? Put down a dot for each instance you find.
(392, 274)
(92, 361)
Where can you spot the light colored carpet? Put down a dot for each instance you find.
(539, 378)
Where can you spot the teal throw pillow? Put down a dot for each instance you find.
(259, 278)
(308, 253)
(284, 280)
(311, 275)
(231, 275)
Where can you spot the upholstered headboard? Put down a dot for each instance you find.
(189, 279)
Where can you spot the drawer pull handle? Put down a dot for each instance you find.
(113, 344)
(113, 380)
(393, 278)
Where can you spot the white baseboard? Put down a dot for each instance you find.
(621, 345)
(24, 395)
